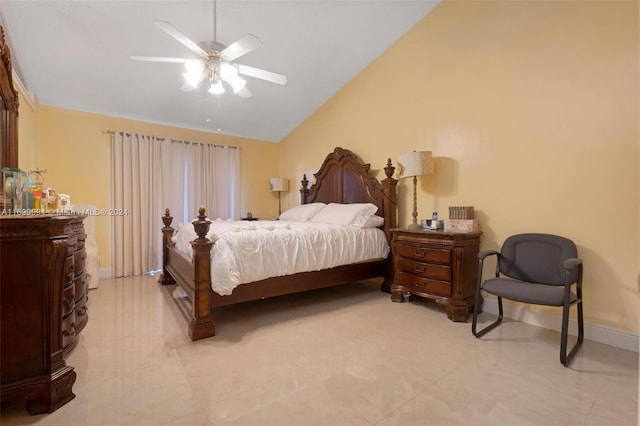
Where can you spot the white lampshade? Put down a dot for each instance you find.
(228, 72)
(279, 184)
(194, 72)
(415, 164)
(216, 88)
(238, 84)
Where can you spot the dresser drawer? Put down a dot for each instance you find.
(81, 314)
(424, 254)
(68, 330)
(425, 270)
(80, 239)
(71, 244)
(80, 286)
(424, 285)
(68, 300)
(68, 270)
(78, 261)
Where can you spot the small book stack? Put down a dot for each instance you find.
(461, 220)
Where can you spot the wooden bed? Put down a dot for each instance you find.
(342, 178)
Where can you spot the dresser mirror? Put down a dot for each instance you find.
(8, 112)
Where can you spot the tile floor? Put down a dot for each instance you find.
(340, 356)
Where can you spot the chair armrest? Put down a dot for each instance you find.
(481, 257)
(572, 263)
(573, 271)
(485, 253)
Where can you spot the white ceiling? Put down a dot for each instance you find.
(76, 55)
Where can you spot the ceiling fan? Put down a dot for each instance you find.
(215, 64)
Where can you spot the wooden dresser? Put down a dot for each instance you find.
(438, 265)
(43, 307)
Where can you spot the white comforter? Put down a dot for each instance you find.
(251, 251)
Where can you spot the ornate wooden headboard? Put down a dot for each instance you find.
(344, 178)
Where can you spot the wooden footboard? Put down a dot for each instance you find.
(193, 275)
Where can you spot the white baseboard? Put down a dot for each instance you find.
(597, 333)
(105, 273)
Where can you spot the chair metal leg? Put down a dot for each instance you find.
(565, 358)
(490, 326)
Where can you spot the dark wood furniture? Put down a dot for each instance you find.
(342, 178)
(437, 265)
(43, 298)
(8, 109)
(8, 113)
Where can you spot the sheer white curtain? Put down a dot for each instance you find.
(151, 174)
(219, 192)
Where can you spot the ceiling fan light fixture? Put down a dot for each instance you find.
(191, 80)
(228, 72)
(194, 72)
(238, 84)
(216, 88)
(215, 62)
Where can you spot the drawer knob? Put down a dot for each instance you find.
(420, 268)
(420, 253)
(420, 284)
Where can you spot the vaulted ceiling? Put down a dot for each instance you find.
(76, 55)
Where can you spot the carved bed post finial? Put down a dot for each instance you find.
(167, 218)
(201, 226)
(167, 234)
(389, 170)
(304, 191)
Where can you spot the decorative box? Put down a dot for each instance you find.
(461, 225)
(465, 212)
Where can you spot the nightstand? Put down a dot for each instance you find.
(437, 265)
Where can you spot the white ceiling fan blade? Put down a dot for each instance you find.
(241, 47)
(262, 74)
(159, 59)
(244, 93)
(175, 33)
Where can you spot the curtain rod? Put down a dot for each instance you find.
(112, 132)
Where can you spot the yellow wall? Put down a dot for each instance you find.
(76, 152)
(531, 111)
(28, 148)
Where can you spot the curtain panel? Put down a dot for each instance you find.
(150, 174)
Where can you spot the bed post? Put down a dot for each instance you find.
(390, 209)
(304, 191)
(167, 233)
(201, 325)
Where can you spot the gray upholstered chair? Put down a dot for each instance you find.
(539, 269)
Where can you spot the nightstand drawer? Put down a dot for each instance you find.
(425, 270)
(424, 255)
(438, 288)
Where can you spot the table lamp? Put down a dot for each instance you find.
(414, 164)
(280, 185)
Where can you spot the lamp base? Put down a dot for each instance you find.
(414, 227)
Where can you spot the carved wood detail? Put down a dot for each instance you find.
(38, 307)
(9, 105)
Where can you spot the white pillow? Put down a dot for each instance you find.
(373, 222)
(355, 214)
(183, 237)
(302, 213)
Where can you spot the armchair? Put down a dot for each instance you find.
(537, 269)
